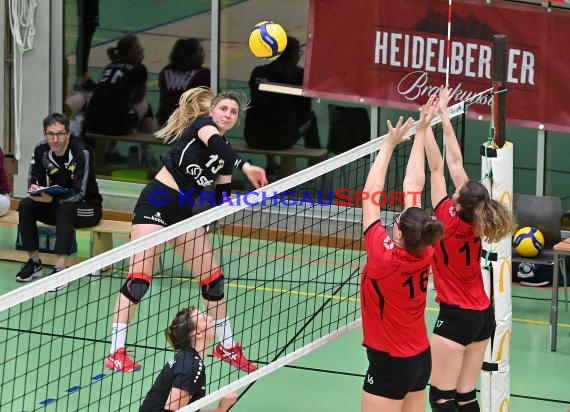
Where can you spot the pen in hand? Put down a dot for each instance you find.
(34, 186)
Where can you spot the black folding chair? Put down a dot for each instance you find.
(543, 213)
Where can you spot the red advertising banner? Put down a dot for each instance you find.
(393, 53)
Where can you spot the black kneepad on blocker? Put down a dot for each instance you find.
(436, 394)
(471, 398)
(136, 286)
(214, 291)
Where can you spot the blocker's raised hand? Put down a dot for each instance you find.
(428, 112)
(398, 134)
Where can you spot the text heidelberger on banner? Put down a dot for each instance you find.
(404, 56)
(469, 59)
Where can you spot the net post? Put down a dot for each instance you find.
(499, 87)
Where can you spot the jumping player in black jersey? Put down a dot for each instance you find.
(199, 157)
(183, 378)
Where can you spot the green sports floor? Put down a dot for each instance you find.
(328, 379)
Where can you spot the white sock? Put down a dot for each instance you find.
(224, 332)
(118, 336)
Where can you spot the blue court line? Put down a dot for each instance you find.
(98, 377)
(72, 389)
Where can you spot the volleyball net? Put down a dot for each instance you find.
(292, 253)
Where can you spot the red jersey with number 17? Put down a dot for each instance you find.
(393, 292)
(456, 270)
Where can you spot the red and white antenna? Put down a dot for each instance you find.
(448, 42)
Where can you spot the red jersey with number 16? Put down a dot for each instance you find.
(456, 270)
(393, 292)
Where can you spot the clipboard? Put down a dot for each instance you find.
(50, 190)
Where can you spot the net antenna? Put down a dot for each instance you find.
(448, 51)
(448, 59)
(23, 29)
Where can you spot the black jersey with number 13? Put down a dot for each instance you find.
(193, 164)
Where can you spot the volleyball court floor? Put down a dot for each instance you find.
(328, 379)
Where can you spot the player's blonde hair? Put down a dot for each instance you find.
(490, 219)
(193, 104)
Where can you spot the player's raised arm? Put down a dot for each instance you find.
(414, 180)
(453, 156)
(377, 175)
(435, 163)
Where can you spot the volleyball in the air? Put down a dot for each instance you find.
(267, 40)
(528, 241)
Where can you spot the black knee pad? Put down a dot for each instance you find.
(468, 407)
(471, 398)
(436, 394)
(214, 291)
(136, 286)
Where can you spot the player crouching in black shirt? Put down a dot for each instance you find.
(183, 378)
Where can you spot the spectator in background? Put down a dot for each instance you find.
(87, 22)
(118, 105)
(184, 72)
(277, 121)
(64, 160)
(4, 187)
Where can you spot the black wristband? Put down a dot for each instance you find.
(239, 163)
(220, 190)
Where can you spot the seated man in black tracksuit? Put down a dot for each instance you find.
(64, 160)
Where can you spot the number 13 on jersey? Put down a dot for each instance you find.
(213, 158)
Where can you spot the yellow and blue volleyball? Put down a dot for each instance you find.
(267, 40)
(528, 241)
